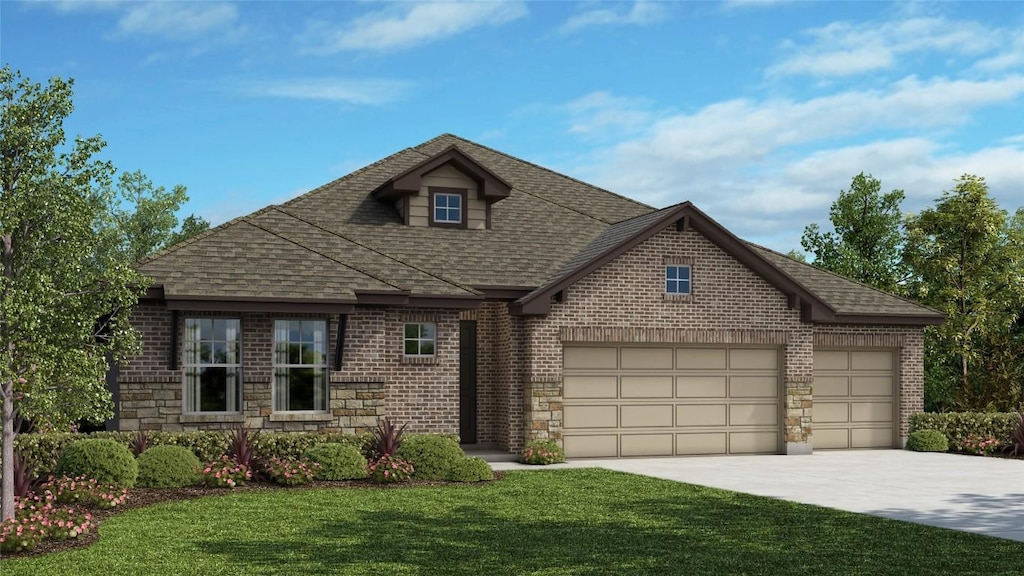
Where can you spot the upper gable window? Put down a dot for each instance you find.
(677, 279)
(447, 207)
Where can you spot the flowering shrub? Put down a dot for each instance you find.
(225, 473)
(291, 472)
(85, 491)
(38, 518)
(543, 452)
(388, 469)
(980, 445)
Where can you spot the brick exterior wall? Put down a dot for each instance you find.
(624, 301)
(375, 379)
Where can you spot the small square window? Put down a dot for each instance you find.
(447, 208)
(677, 280)
(420, 339)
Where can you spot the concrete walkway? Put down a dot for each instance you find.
(969, 493)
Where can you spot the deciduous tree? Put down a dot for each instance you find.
(62, 302)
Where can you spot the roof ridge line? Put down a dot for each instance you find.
(208, 232)
(321, 254)
(854, 280)
(376, 251)
(538, 166)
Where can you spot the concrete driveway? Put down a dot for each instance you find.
(982, 495)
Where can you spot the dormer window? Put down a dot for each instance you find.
(447, 207)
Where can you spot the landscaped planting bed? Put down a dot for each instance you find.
(997, 434)
(551, 522)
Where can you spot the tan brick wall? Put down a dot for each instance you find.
(624, 301)
(374, 380)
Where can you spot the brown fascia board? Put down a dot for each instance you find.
(491, 186)
(812, 308)
(883, 319)
(249, 304)
(504, 293)
(406, 299)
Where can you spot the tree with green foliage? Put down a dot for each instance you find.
(62, 301)
(797, 255)
(865, 244)
(149, 222)
(966, 256)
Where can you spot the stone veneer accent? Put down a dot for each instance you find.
(375, 379)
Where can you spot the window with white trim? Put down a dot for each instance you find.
(420, 339)
(447, 208)
(213, 365)
(300, 366)
(677, 280)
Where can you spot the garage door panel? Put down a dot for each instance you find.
(646, 416)
(753, 386)
(574, 358)
(584, 387)
(753, 359)
(663, 399)
(831, 413)
(700, 359)
(646, 386)
(753, 442)
(825, 386)
(590, 416)
(603, 446)
(753, 415)
(871, 437)
(701, 386)
(646, 358)
(871, 412)
(825, 439)
(701, 415)
(871, 360)
(701, 443)
(646, 444)
(831, 360)
(871, 386)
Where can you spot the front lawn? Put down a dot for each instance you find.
(545, 522)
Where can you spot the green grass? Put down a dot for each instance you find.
(545, 522)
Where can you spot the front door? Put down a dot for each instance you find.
(467, 381)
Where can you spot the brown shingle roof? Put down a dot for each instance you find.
(337, 239)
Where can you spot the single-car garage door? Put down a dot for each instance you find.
(854, 399)
(654, 400)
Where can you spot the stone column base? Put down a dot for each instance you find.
(799, 448)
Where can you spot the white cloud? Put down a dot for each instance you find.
(176, 20)
(406, 25)
(367, 91)
(753, 165)
(844, 49)
(1010, 56)
(601, 112)
(169, 20)
(640, 13)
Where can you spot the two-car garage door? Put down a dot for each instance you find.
(674, 400)
(655, 400)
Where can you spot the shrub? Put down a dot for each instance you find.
(927, 441)
(390, 469)
(139, 443)
(1016, 444)
(470, 470)
(542, 452)
(337, 461)
(240, 446)
(38, 518)
(431, 455)
(387, 438)
(26, 482)
(979, 445)
(225, 473)
(85, 491)
(168, 467)
(957, 426)
(290, 472)
(107, 461)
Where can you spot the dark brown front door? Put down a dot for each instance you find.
(467, 381)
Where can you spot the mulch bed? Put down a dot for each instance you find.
(143, 497)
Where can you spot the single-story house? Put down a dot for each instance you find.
(462, 290)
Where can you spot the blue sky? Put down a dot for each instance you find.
(758, 112)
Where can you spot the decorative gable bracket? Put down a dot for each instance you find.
(491, 187)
